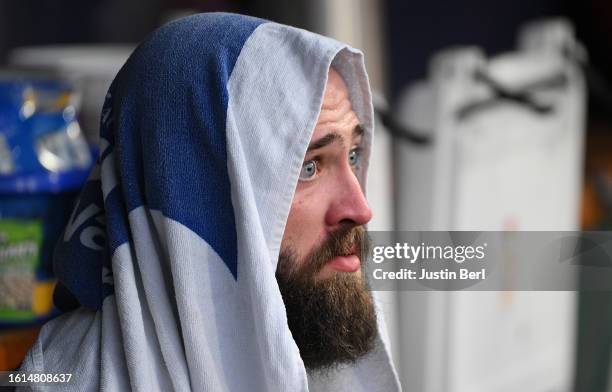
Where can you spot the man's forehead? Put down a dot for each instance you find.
(335, 84)
(336, 114)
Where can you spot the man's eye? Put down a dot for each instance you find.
(309, 169)
(354, 157)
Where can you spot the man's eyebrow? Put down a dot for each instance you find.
(333, 137)
(357, 131)
(325, 140)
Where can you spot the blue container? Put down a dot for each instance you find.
(44, 160)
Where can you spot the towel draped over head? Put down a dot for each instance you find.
(172, 248)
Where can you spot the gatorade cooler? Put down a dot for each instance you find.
(44, 160)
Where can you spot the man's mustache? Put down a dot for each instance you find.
(344, 241)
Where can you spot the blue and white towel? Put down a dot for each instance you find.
(172, 249)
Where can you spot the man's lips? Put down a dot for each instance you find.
(345, 263)
(348, 263)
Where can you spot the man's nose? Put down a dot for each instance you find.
(349, 204)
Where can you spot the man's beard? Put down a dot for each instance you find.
(332, 320)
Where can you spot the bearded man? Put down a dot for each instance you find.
(219, 243)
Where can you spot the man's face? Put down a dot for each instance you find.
(329, 308)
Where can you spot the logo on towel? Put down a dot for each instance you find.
(94, 230)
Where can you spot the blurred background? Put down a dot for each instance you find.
(491, 116)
